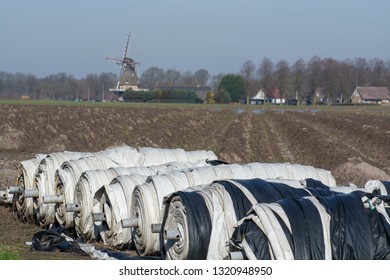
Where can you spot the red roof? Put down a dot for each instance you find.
(374, 93)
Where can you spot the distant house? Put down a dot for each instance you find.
(370, 95)
(201, 91)
(276, 97)
(258, 99)
(25, 97)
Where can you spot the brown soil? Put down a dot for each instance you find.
(353, 144)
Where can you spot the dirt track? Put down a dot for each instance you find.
(353, 144)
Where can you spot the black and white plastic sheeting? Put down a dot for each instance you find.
(44, 175)
(219, 206)
(344, 226)
(113, 199)
(158, 156)
(44, 184)
(47, 174)
(32, 175)
(24, 181)
(66, 179)
(70, 171)
(121, 162)
(66, 172)
(292, 171)
(378, 187)
(145, 206)
(148, 198)
(256, 210)
(89, 183)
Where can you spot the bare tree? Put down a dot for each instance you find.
(265, 75)
(92, 86)
(172, 77)
(248, 73)
(314, 76)
(152, 77)
(346, 80)
(32, 86)
(330, 78)
(187, 78)
(378, 72)
(202, 77)
(282, 78)
(107, 81)
(362, 71)
(387, 75)
(298, 76)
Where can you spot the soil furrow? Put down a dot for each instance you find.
(353, 134)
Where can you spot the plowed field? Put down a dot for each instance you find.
(353, 143)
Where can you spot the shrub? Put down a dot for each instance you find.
(167, 96)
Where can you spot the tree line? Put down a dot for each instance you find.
(59, 86)
(336, 79)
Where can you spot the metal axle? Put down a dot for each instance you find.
(98, 217)
(31, 193)
(172, 234)
(156, 228)
(129, 223)
(15, 190)
(47, 199)
(72, 207)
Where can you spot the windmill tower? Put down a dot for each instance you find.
(128, 75)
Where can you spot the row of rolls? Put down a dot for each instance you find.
(185, 205)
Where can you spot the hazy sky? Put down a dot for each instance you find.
(45, 37)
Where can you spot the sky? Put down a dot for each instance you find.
(44, 37)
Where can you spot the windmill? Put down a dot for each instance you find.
(128, 75)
